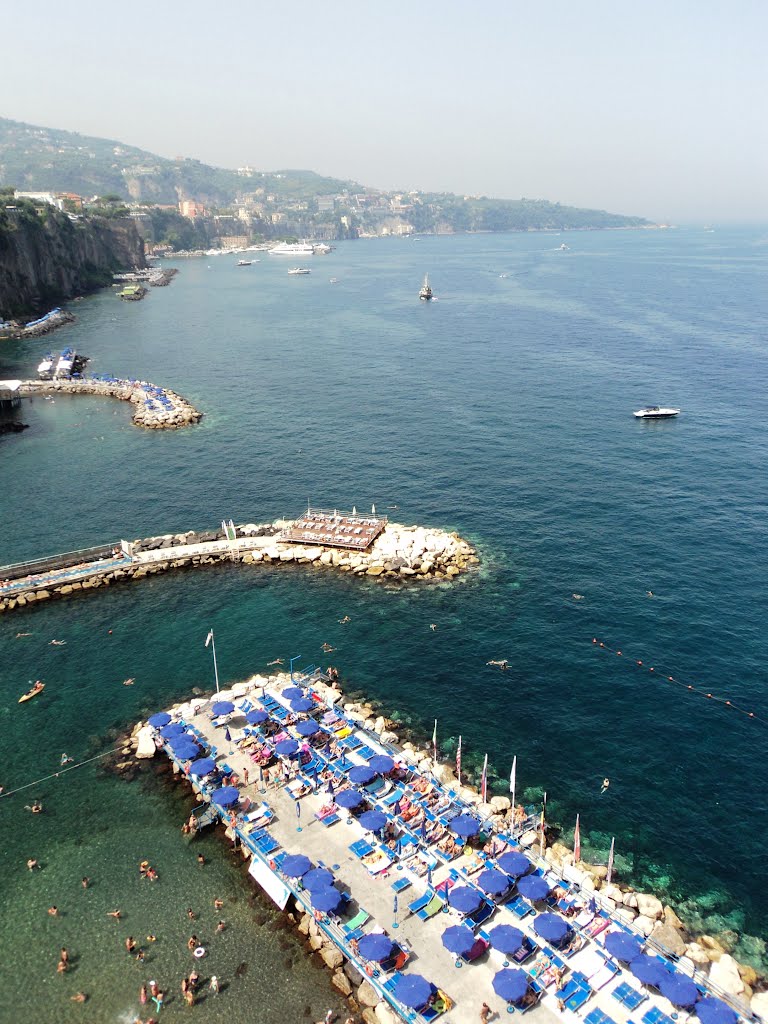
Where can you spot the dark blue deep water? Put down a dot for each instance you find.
(504, 411)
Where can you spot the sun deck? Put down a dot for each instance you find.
(335, 529)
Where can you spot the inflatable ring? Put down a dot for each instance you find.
(272, 864)
(199, 952)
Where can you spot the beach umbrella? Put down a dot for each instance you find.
(222, 707)
(412, 990)
(464, 899)
(296, 865)
(302, 704)
(510, 984)
(648, 970)
(293, 693)
(513, 863)
(375, 946)
(551, 928)
(308, 728)
(226, 796)
(372, 821)
(286, 747)
(203, 766)
(186, 751)
(623, 946)
(348, 798)
(533, 887)
(493, 881)
(458, 939)
(464, 825)
(256, 717)
(174, 729)
(715, 1011)
(325, 900)
(317, 878)
(183, 739)
(159, 720)
(679, 990)
(361, 774)
(506, 938)
(381, 763)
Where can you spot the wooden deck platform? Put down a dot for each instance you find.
(335, 529)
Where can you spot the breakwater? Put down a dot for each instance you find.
(405, 553)
(15, 329)
(156, 408)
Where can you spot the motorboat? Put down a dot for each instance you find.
(656, 412)
(45, 369)
(426, 290)
(244, 263)
(298, 271)
(66, 363)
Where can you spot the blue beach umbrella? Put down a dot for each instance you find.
(325, 900)
(286, 747)
(223, 707)
(533, 887)
(551, 928)
(348, 798)
(679, 990)
(412, 990)
(296, 865)
(361, 775)
(372, 821)
(464, 825)
(381, 763)
(317, 878)
(506, 938)
(623, 946)
(458, 939)
(180, 740)
(648, 970)
(464, 899)
(513, 863)
(376, 946)
(510, 984)
(159, 720)
(203, 766)
(174, 729)
(715, 1011)
(226, 796)
(186, 751)
(493, 882)
(308, 728)
(302, 704)
(256, 717)
(293, 693)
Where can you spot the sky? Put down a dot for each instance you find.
(650, 108)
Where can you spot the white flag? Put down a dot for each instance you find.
(209, 638)
(512, 774)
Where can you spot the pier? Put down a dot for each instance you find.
(423, 901)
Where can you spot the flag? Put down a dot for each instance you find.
(512, 775)
(209, 638)
(484, 781)
(610, 861)
(227, 735)
(434, 743)
(577, 842)
(458, 761)
(543, 832)
(394, 905)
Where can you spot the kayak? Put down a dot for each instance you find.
(32, 693)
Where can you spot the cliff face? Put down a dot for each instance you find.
(46, 258)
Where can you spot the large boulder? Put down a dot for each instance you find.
(385, 1015)
(332, 957)
(367, 995)
(697, 954)
(612, 892)
(145, 746)
(725, 974)
(668, 937)
(341, 983)
(759, 1005)
(649, 906)
(500, 803)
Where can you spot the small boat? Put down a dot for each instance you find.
(426, 290)
(45, 369)
(38, 687)
(563, 248)
(297, 271)
(656, 412)
(244, 263)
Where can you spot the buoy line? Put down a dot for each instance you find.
(687, 686)
(55, 775)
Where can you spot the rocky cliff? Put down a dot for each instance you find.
(46, 256)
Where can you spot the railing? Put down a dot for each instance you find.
(62, 561)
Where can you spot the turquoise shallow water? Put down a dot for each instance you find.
(504, 411)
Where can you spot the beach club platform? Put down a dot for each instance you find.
(436, 910)
(335, 529)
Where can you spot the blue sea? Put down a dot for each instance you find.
(503, 411)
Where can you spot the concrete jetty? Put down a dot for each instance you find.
(286, 774)
(156, 408)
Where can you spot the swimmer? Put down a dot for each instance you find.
(35, 808)
(57, 643)
(577, 597)
(129, 682)
(649, 593)
(85, 882)
(433, 626)
(22, 634)
(151, 938)
(605, 785)
(277, 661)
(191, 914)
(218, 904)
(327, 648)
(220, 927)
(130, 944)
(79, 997)
(61, 966)
(117, 914)
(345, 620)
(53, 911)
(200, 859)
(66, 759)
(503, 664)
(32, 863)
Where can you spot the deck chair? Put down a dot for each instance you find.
(421, 902)
(434, 906)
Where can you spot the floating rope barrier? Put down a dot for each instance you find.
(658, 674)
(61, 771)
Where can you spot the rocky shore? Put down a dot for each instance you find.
(403, 553)
(155, 408)
(15, 329)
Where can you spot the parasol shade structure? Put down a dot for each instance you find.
(376, 946)
(464, 899)
(317, 878)
(159, 720)
(551, 928)
(302, 704)
(623, 946)
(202, 766)
(256, 717)
(226, 796)
(325, 900)
(506, 938)
(381, 763)
(372, 821)
(493, 882)
(458, 939)
(533, 887)
(186, 751)
(286, 747)
(348, 798)
(510, 984)
(412, 990)
(464, 825)
(715, 1011)
(648, 970)
(361, 775)
(296, 865)
(222, 707)
(174, 729)
(513, 863)
(293, 693)
(308, 728)
(679, 990)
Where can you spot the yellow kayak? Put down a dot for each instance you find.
(37, 688)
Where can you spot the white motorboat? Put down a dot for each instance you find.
(244, 263)
(656, 412)
(297, 271)
(66, 363)
(45, 369)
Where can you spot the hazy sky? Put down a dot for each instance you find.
(650, 107)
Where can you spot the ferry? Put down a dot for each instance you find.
(656, 412)
(426, 290)
(298, 271)
(292, 249)
(45, 369)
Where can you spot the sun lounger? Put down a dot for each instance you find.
(597, 1016)
(483, 912)
(628, 996)
(579, 998)
(604, 976)
(520, 908)
(421, 902)
(352, 929)
(377, 861)
(434, 906)
(597, 924)
(481, 946)
(525, 952)
(656, 1016)
(361, 848)
(401, 884)
(327, 820)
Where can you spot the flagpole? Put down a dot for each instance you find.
(458, 762)
(434, 745)
(215, 666)
(513, 783)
